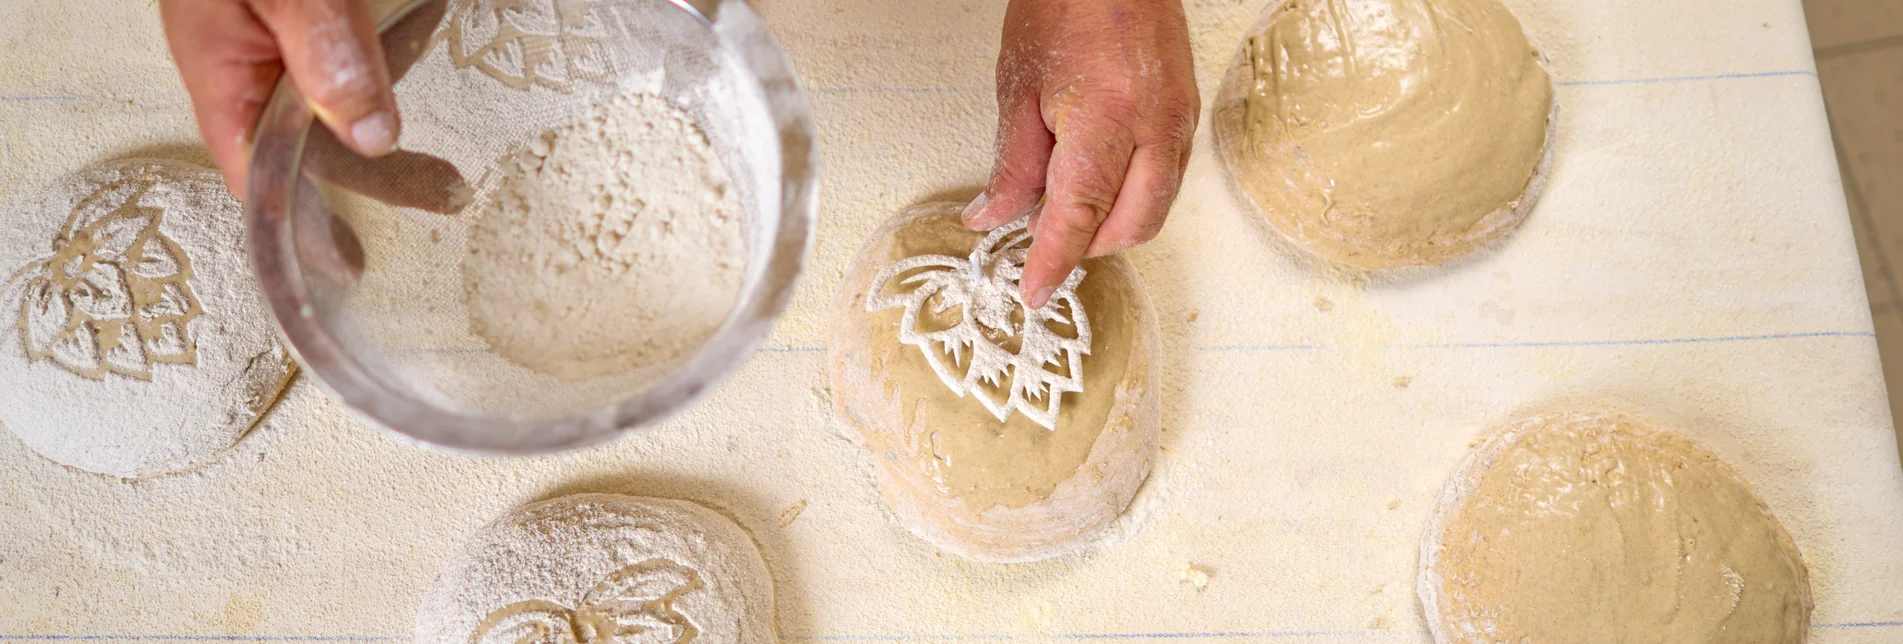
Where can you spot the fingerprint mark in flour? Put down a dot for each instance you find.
(114, 297)
(634, 604)
(524, 43)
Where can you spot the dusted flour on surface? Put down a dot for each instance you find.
(602, 568)
(610, 242)
(134, 340)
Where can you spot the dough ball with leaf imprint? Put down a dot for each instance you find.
(996, 433)
(599, 569)
(1388, 133)
(133, 340)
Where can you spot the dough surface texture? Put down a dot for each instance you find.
(611, 242)
(1591, 528)
(1388, 133)
(950, 470)
(599, 569)
(133, 340)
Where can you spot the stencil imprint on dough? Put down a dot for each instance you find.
(974, 355)
(114, 296)
(523, 43)
(633, 605)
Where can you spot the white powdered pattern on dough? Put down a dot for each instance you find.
(133, 340)
(602, 568)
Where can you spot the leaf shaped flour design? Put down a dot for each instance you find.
(529, 622)
(1008, 357)
(634, 605)
(524, 43)
(114, 297)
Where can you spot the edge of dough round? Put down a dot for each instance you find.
(1466, 479)
(1078, 509)
(1490, 228)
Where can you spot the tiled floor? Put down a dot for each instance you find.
(1859, 47)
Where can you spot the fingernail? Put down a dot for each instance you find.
(972, 210)
(374, 134)
(1040, 298)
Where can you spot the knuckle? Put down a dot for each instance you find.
(1146, 231)
(1094, 180)
(1175, 125)
(1015, 176)
(338, 92)
(1081, 216)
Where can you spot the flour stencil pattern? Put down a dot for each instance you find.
(114, 296)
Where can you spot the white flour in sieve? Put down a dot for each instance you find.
(610, 242)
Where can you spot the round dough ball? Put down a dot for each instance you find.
(1388, 133)
(135, 341)
(950, 470)
(1591, 528)
(602, 568)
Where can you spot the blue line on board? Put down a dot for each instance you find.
(792, 349)
(1859, 625)
(25, 98)
(1582, 83)
(898, 90)
(826, 638)
(1209, 635)
(1487, 345)
(1681, 79)
(1552, 343)
(205, 638)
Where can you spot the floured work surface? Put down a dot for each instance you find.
(1691, 264)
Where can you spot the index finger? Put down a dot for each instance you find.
(1086, 173)
(335, 58)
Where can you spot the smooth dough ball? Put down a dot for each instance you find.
(1591, 528)
(134, 341)
(953, 473)
(1388, 133)
(602, 568)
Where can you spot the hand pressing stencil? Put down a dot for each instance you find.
(1097, 105)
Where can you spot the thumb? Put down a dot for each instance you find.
(332, 53)
(1023, 152)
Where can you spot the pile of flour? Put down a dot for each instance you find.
(609, 243)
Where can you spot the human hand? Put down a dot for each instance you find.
(1097, 106)
(231, 52)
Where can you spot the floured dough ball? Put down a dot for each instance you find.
(1387, 133)
(602, 568)
(956, 475)
(1590, 528)
(133, 340)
